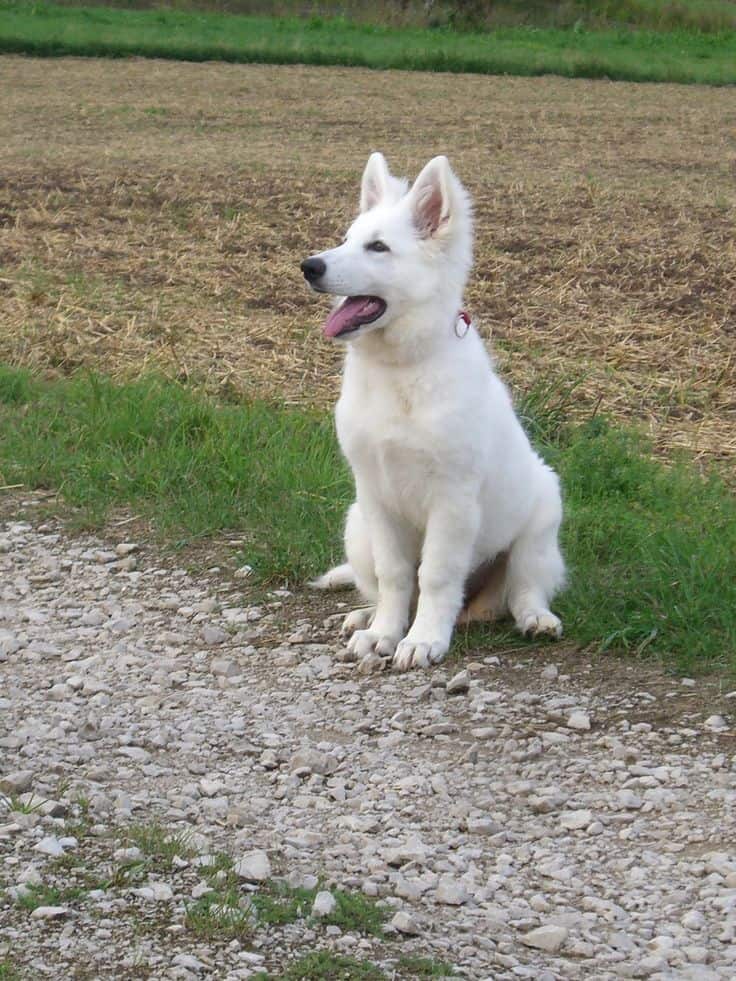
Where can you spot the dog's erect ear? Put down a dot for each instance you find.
(376, 182)
(432, 196)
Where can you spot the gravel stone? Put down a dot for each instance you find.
(49, 912)
(548, 938)
(253, 866)
(459, 684)
(498, 837)
(405, 923)
(324, 904)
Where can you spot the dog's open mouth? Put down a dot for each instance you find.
(354, 312)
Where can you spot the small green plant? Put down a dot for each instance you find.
(158, 845)
(222, 913)
(322, 965)
(278, 903)
(42, 895)
(424, 967)
(30, 806)
(356, 913)
(8, 970)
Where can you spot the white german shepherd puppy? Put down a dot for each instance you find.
(456, 516)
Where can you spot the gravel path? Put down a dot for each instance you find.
(516, 815)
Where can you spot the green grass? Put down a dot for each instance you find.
(8, 971)
(219, 914)
(424, 967)
(322, 965)
(195, 467)
(227, 911)
(158, 845)
(651, 548)
(677, 56)
(43, 895)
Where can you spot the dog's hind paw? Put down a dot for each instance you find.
(357, 620)
(541, 624)
(410, 654)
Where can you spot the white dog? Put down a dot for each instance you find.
(456, 516)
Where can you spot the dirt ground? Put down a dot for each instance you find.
(153, 216)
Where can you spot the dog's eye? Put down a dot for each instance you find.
(377, 246)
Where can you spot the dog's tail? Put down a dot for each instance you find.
(341, 577)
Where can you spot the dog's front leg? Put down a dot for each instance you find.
(447, 555)
(395, 568)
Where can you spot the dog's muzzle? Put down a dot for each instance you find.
(313, 269)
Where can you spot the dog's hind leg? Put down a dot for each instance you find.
(485, 592)
(536, 569)
(341, 577)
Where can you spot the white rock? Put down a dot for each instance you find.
(156, 892)
(405, 923)
(213, 635)
(629, 800)
(189, 962)
(9, 643)
(50, 845)
(548, 938)
(253, 866)
(693, 920)
(579, 721)
(715, 722)
(451, 891)
(459, 684)
(313, 760)
(16, 782)
(324, 904)
(30, 876)
(575, 820)
(49, 912)
(124, 549)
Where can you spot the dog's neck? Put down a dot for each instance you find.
(413, 338)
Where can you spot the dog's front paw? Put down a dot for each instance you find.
(413, 654)
(541, 624)
(368, 642)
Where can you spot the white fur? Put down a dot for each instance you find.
(445, 477)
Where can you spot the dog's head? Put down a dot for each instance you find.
(407, 251)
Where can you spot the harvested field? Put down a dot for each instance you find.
(153, 215)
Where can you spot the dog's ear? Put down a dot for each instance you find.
(432, 197)
(376, 182)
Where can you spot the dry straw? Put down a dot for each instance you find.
(153, 216)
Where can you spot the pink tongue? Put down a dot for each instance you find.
(355, 309)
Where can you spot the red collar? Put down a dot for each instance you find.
(464, 318)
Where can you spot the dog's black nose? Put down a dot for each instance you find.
(313, 269)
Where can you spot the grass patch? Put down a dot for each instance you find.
(651, 549)
(680, 56)
(195, 467)
(424, 967)
(158, 845)
(219, 914)
(43, 895)
(322, 965)
(8, 971)
(279, 903)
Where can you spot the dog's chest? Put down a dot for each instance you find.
(389, 434)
